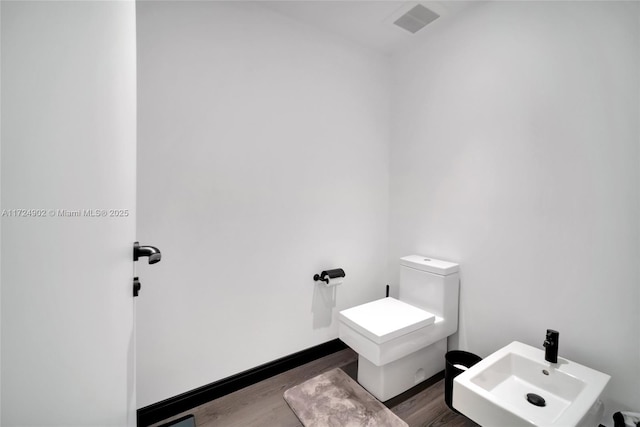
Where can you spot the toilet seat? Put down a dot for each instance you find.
(385, 319)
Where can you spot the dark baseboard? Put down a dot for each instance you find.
(189, 400)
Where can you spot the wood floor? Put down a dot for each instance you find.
(262, 404)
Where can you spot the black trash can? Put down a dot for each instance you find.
(463, 359)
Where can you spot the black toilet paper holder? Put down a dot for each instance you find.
(329, 274)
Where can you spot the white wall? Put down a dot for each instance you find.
(263, 159)
(515, 152)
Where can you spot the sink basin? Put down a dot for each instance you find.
(515, 386)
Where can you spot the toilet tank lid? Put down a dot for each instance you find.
(431, 265)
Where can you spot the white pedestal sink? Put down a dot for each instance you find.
(515, 386)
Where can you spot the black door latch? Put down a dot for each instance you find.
(136, 286)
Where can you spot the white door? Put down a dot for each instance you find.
(68, 202)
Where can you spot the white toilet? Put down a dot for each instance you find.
(402, 342)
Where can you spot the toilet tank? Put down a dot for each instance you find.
(431, 285)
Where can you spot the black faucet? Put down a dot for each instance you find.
(551, 346)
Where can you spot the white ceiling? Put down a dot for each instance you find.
(368, 23)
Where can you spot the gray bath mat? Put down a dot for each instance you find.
(333, 399)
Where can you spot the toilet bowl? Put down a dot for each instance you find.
(402, 342)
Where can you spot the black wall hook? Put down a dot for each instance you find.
(329, 274)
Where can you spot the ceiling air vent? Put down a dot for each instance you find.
(416, 19)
